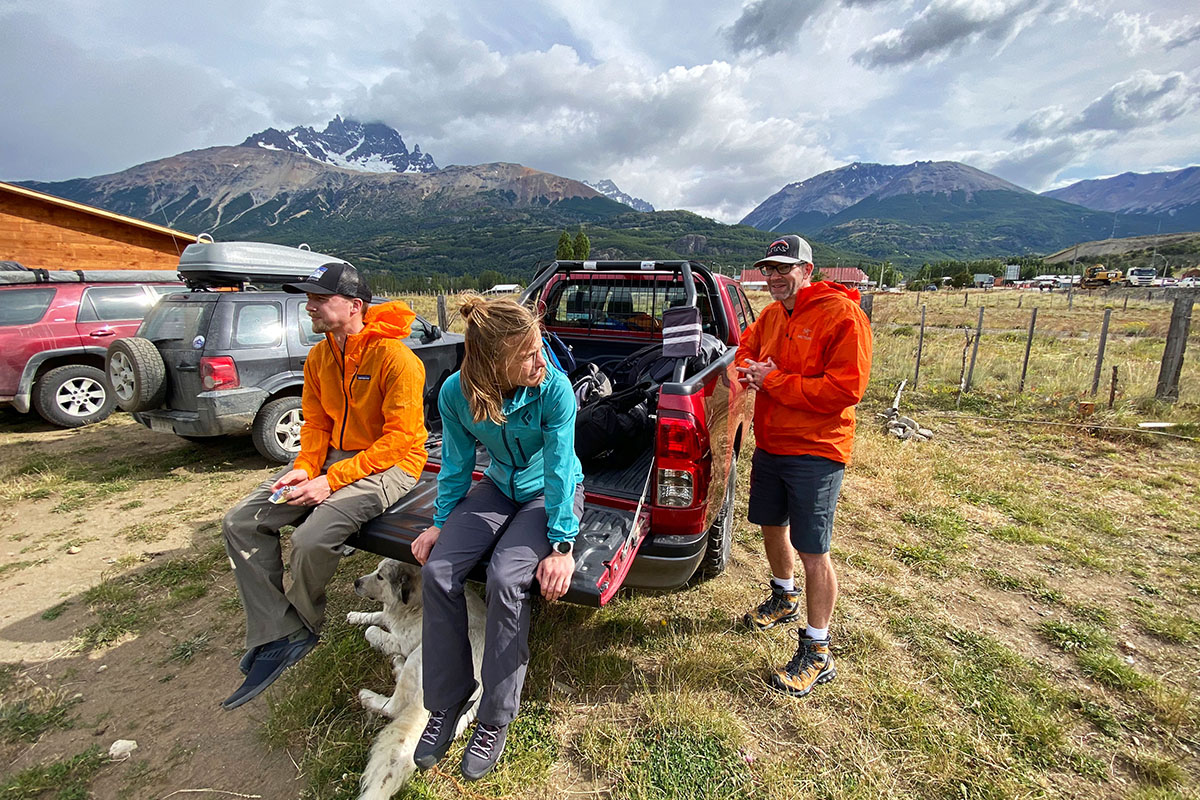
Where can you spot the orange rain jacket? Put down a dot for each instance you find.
(823, 350)
(367, 399)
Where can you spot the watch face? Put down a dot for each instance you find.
(562, 547)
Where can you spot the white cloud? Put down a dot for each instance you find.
(946, 26)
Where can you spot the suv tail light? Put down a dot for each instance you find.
(218, 372)
(683, 469)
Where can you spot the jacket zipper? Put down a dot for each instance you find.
(512, 474)
(345, 403)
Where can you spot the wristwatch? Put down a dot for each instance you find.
(562, 548)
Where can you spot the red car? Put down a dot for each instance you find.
(54, 333)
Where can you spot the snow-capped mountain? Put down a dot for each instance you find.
(373, 147)
(610, 190)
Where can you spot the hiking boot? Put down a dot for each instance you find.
(483, 751)
(439, 732)
(812, 664)
(780, 607)
(267, 663)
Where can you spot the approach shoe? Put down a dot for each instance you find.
(483, 751)
(777, 609)
(812, 665)
(248, 659)
(439, 732)
(268, 664)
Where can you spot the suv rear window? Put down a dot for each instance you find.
(613, 303)
(24, 306)
(171, 321)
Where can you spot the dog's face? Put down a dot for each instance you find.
(392, 582)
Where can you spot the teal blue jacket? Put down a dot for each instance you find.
(532, 453)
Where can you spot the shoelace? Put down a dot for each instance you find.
(430, 736)
(804, 657)
(776, 601)
(484, 740)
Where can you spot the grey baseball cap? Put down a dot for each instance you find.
(787, 250)
(336, 277)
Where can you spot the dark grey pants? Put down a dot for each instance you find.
(251, 532)
(485, 520)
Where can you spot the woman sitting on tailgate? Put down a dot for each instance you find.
(525, 512)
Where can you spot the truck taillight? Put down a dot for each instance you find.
(218, 372)
(682, 473)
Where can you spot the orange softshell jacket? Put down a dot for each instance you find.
(823, 350)
(367, 399)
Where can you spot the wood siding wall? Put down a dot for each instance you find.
(42, 235)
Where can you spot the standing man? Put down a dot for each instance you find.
(362, 448)
(808, 355)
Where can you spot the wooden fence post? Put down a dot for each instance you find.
(1100, 351)
(1070, 295)
(1112, 388)
(974, 350)
(866, 302)
(1126, 306)
(441, 306)
(920, 346)
(1172, 360)
(1028, 345)
(965, 295)
(1020, 298)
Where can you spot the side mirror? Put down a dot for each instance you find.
(432, 333)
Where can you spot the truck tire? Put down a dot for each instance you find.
(72, 396)
(719, 541)
(136, 373)
(276, 430)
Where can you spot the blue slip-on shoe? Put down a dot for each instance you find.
(248, 659)
(268, 664)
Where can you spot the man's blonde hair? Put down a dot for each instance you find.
(496, 329)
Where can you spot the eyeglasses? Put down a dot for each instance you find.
(778, 269)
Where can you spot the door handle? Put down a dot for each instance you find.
(101, 333)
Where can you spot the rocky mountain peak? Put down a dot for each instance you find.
(370, 147)
(610, 190)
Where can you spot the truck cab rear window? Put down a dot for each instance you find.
(620, 305)
(24, 306)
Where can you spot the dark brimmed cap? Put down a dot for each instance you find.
(336, 277)
(787, 250)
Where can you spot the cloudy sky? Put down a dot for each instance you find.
(706, 105)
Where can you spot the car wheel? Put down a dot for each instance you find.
(72, 396)
(137, 374)
(719, 542)
(276, 430)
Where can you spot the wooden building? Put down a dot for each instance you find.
(41, 231)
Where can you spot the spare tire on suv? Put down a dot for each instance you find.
(137, 374)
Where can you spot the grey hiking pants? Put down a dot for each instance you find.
(251, 531)
(485, 520)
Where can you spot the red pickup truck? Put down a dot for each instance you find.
(657, 520)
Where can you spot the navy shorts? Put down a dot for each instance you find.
(800, 491)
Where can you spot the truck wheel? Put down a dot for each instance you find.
(72, 396)
(137, 374)
(276, 430)
(719, 542)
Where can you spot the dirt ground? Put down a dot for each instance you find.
(141, 687)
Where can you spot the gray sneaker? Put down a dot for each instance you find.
(483, 751)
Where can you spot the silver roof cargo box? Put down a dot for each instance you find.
(208, 263)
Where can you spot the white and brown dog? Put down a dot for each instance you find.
(396, 631)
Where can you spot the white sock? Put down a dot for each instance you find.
(787, 584)
(820, 634)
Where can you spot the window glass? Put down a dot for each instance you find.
(24, 306)
(258, 325)
(114, 303)
(617, 304)
(177, 321)
(738, 310)
(746, 305)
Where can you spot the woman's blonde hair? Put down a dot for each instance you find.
(496, 329)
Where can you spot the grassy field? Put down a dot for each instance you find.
(1018, 617)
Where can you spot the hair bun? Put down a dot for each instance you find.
(469, 304)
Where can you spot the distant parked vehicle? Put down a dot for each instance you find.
(55, 326)
(1140, 276)
(1190, 282)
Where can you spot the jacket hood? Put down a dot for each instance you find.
(823, 289)
(392, 320)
